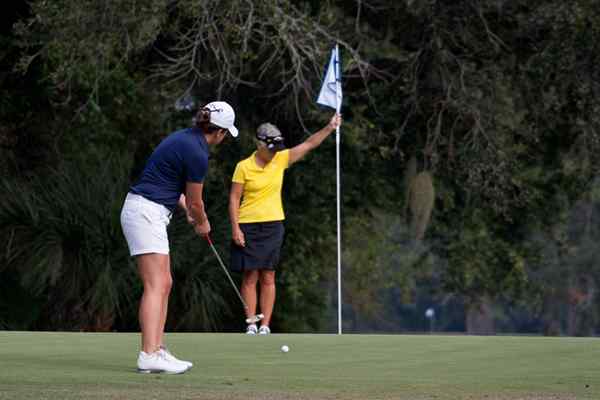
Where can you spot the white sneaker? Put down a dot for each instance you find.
(264, 330)
(170, 357)
(156, 363)
(251, 329)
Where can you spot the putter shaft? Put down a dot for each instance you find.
(250, 320)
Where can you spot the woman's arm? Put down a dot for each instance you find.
(235, 196)
(195, 207)
(183, 206)
(314, 140)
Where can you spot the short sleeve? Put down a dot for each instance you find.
(196, 166)
(239, 175)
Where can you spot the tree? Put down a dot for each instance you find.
(494, 105)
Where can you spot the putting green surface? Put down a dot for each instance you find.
(44, 365)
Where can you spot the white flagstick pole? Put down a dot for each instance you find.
(337, 158)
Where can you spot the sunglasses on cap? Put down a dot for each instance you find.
(274, 143)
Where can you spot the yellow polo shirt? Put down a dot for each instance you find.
(261, 198)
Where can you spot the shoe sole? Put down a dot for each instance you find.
(161, 371)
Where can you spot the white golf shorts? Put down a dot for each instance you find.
(144, 224)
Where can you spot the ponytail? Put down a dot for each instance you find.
(202, 117)
(202, 121)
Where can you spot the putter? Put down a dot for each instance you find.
(250, 320)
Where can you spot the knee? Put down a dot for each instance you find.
(250, 278)
(161, 286)
(167, 285)
(267, 278)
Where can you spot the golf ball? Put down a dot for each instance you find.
(285, 349)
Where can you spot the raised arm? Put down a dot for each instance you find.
(235, 196)
(195, 207)
(314, 140)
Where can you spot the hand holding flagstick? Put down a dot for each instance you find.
(335, 122)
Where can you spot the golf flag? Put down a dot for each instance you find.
(331, 89)
(331, 96)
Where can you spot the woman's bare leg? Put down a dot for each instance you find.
(154, 270)
(248, 291)
(165, 305)
(267, 294)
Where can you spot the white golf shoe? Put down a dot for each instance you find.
(251, 329)
(157, 363)
(264, 330)
(170, 357)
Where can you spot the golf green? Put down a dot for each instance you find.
(48, 365)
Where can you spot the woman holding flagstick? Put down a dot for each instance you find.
(256, 214)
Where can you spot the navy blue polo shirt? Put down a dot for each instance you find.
(181, 157)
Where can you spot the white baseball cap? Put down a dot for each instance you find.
(222, 115)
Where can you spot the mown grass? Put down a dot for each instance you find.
(47, 365)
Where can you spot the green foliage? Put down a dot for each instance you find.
(19, 310)
(481, 262)
(382, 266)
(498, 101)
(84, 44)
(64, 242)
(566, 270)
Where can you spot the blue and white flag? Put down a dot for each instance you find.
(331, 90)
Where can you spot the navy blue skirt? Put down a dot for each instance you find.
(263, 246)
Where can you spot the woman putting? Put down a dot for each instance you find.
(174, 174)
(256, 214)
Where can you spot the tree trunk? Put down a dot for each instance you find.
(480, 319)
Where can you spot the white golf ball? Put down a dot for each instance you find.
(285, 349)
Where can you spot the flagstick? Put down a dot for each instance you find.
(337, 167)
(325, 98)
(339, 230)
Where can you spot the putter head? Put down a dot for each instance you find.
(254, 319)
